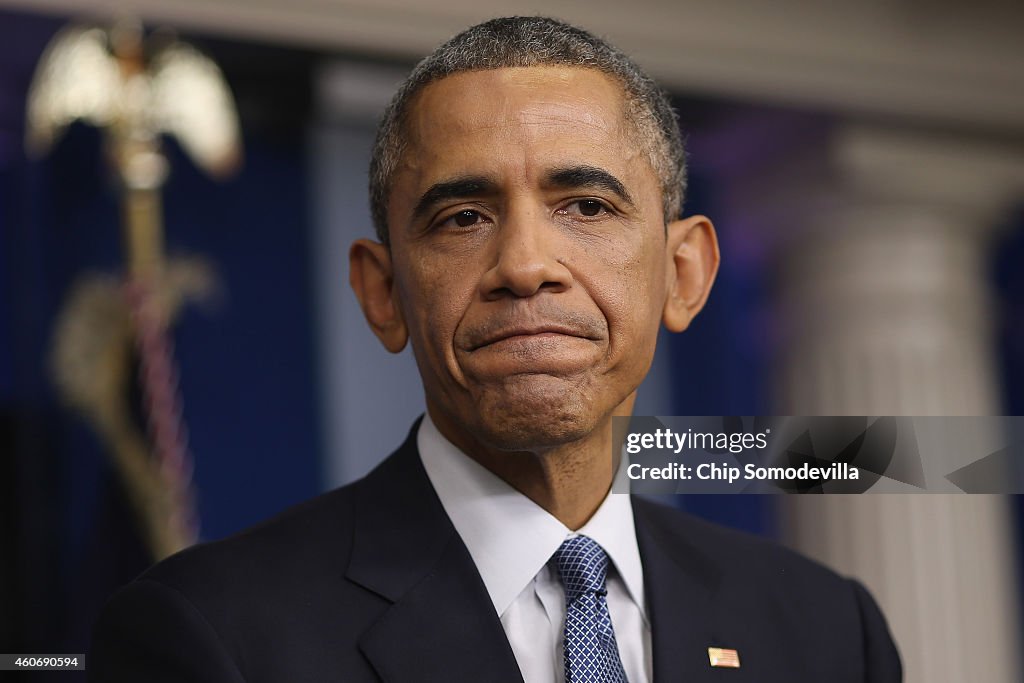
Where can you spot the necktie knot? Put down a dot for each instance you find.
(582, 566)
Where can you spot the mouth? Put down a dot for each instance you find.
(527, 334)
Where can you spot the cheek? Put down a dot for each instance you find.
(433, 297)
(629, 299)
(630, 291)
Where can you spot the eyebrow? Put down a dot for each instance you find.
(583, 177)
(568, 178)
(462, 186)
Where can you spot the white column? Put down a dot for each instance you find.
(884, 297)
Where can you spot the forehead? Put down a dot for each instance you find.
(533, 94)
(519, 119)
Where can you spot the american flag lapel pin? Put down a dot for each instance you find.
(724, 658)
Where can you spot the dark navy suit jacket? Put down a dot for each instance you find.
(371, 582)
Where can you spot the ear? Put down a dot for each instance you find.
(692, 250)
(371, 277)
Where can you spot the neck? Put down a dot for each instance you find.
(570, 480)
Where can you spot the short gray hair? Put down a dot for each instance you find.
(534, 41)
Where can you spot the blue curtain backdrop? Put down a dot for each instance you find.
(720, 362)
(245, 364)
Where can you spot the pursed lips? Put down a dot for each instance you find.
(528, 331)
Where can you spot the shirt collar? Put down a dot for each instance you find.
(511, 538)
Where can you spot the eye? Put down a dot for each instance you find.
(464, 219)
(589, 208)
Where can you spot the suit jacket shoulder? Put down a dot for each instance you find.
(790, 618)
(221, 611)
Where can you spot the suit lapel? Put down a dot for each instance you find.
(680, 586)
(441, 625)
(444, 629)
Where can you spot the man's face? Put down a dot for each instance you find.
(528, 253)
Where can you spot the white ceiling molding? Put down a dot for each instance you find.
(941, 61)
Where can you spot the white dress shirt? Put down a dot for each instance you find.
(512, 539)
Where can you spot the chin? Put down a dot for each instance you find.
(535, 412)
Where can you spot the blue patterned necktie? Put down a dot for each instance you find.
(591, 654)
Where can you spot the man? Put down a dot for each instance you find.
(526, 186)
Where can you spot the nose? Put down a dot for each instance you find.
(527, 259)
